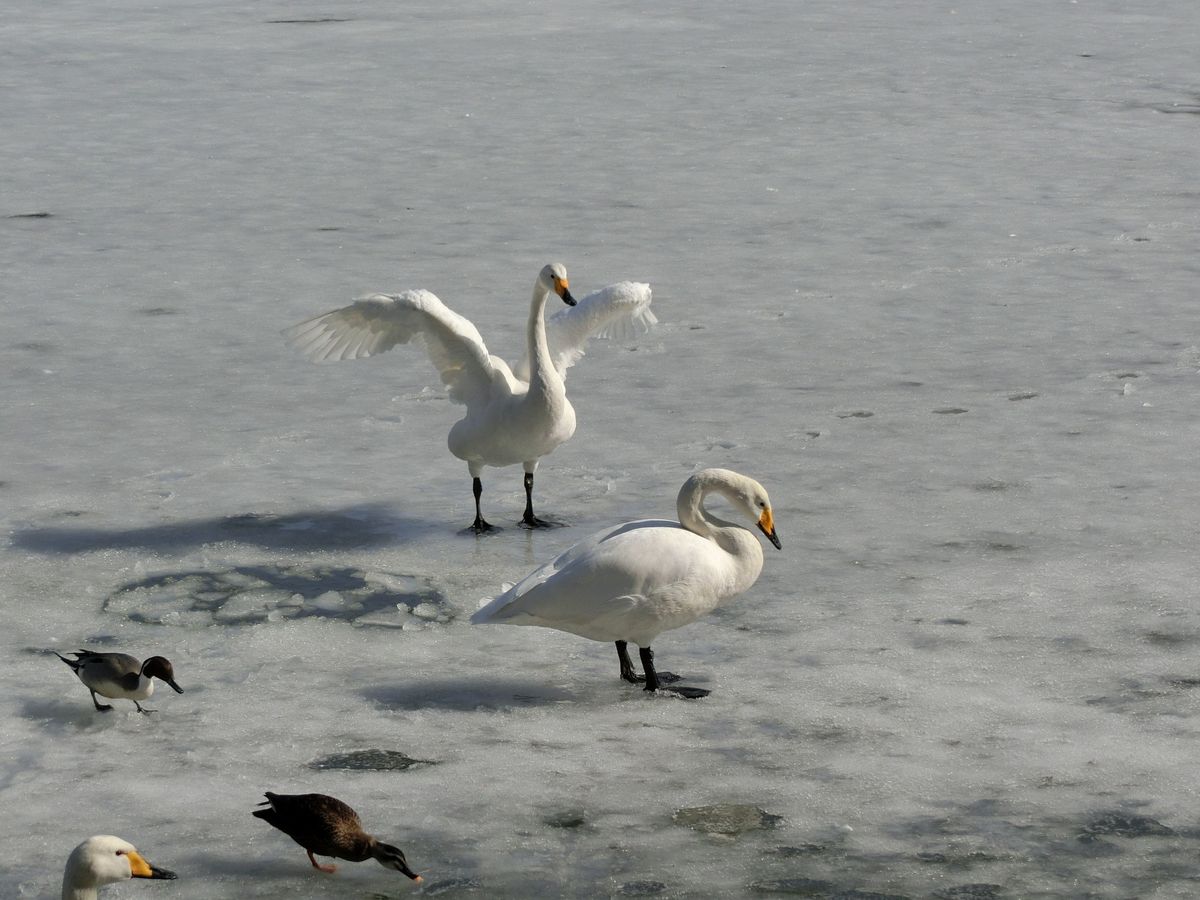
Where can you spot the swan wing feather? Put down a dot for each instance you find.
(376, 323)
(619, 311)
(612, 585)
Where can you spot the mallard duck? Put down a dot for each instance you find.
(120, 676)
(104, 859)
(325, 825)
(513, 416)
(634, 581)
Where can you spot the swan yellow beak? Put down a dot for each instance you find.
(766, 524)
(139, 868)
(561, 286)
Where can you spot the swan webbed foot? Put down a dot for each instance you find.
(480, 526)
(529, 520)
(687, 693)
(662, 678)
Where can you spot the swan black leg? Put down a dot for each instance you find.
(627, 673)
(479, 526)
(647, 656)
(656, 680)
(103, 707)
(529, 520)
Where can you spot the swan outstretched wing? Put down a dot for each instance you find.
(618, 311)
(378, 322)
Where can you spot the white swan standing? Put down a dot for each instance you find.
(511, 418)
(634, 581)
(104, 859)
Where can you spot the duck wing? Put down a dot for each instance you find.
(618, 311)
(378, 322)
(316, 822)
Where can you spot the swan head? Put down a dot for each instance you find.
(746, 494)
(757, 505)
(393, 858)
(554, 278)
(160, 667)
(105, 859)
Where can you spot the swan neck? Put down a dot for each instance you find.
(541, 367)
(72, 890)
(692, 514)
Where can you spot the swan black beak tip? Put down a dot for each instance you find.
(766, 524)
(567, 298)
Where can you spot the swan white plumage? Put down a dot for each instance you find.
(512, 416)
(104, 859)
(634, 581)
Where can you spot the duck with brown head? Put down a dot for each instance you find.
(119, 676)
(325, 825)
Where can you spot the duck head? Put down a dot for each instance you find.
(160, 667)
(393, 858)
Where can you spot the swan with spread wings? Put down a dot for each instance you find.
(514, 415)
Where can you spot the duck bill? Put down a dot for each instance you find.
(142, 869)
(766, 524)
(174, 686)
(411, 874)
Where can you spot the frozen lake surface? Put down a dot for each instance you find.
(926, 271)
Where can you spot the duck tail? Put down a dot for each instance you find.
(73, 663)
